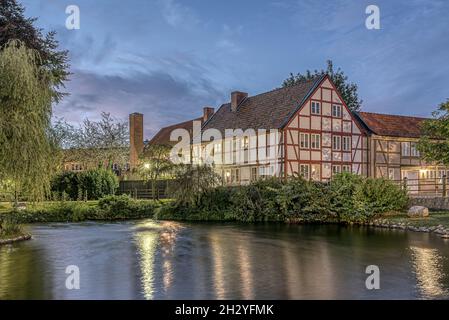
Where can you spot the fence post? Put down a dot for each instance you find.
(444, 185)
(405, 183)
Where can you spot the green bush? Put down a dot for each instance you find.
(377, 196)
(347, 198)
(10, 229)
(108, 208)
(88, 185)
(304, 200)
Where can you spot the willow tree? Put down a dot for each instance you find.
(25, 121)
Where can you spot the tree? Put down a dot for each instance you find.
(25, 104)
(348, 90)
(15, 26)
(155, 164)
(434, 142)
(95, 143)
(192, 181)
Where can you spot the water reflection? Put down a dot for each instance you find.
(166, 260)
(153, 238)
(428, 267)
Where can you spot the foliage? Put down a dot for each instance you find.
(10, 229)
(347, 198)
(87, 185)
(348, 90)
(192, 181)
(25, 97)
(155, 164)
(377, 196)
(304, 200)
(108, 208)
(99, 143)
(434, 142)
(15, 26)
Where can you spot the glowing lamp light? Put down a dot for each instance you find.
(146, 166)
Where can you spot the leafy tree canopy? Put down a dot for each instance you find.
(434, 143)
(348, 90)
(25, 97)
(15, 26)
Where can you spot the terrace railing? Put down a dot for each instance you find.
(437, 187)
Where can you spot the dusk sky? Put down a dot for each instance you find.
(169, 58)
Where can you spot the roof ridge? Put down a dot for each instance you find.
(283, 88)
(393, 115)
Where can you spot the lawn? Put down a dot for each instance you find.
(436, 218)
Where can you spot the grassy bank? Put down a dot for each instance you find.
(436, 218)
(108, 208)
(10, 231)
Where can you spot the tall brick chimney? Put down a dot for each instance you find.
(207, 113)
(135, 138)
(236, 98)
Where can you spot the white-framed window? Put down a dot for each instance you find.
(414, 152)
(304, 140)
(315, 108)
(254, 174)
(336, 111)
(235, 175)
(336, 169)
(346, 168)
(315, 141)
(405, 147)
(336, 142)
(346, 143)
(315, 173)
(304, 171)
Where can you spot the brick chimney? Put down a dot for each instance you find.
(135, 138)
(207, 113)
(236, 98)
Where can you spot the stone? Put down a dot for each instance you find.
(418, 211)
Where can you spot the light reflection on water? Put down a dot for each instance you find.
(168, 260)
(428, 265)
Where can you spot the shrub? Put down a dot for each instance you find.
(108, 208)
(87, 185)
(342, 189)
(377, 196)
(304, 200)
(9, 229)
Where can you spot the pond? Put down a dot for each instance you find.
(171, 260)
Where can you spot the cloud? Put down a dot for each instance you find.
(176, 14)
(160, 97)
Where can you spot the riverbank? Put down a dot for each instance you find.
(107, 209)
(11, 232)
(437, 222)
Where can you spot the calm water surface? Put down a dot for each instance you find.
(167, 260)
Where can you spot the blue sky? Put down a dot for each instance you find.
(169, 58)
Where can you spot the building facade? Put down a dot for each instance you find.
(308, 130)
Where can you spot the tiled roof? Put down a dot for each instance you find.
(392, 125)
(163, 136)
(268, 110)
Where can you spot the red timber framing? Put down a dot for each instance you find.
(325, 125)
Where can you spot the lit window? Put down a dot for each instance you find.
(336, 111)
(336, 142)
(316, 108)
(316, 172)
(315, 141)
(346, 143)
(304, 171)
(304, 140)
